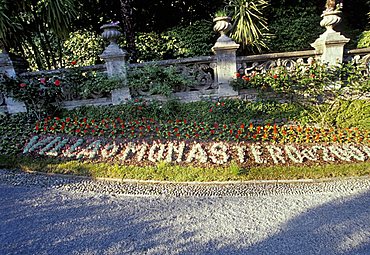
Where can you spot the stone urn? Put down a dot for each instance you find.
(222, 25)
(330, 20)
(110, 32)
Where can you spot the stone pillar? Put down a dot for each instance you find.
(225, 50)
(6, 67)
(115, 62)
(331, 43)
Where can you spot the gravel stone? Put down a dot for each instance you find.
(45, 214)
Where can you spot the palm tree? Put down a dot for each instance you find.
(36, 27)
(249, 24)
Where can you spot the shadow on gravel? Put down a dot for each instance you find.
(40, 221)
(46, 221)
(336, 228)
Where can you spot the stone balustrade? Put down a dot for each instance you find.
(212, 73)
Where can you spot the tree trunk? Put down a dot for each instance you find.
(127, 24)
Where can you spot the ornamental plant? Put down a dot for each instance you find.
(183, 129)
(82, 84)
(317, 87)
(42, 96)
(154, 79)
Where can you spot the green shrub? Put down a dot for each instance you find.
(160, 80)
(40, 95)
(84, 47)
(350, 114)
(181, 41)
(294, 28)
(97, 84)
(196, 39)
(151, 46)
(15, 130)
(364, 40)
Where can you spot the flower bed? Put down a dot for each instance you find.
(150, 129)
(142, 152)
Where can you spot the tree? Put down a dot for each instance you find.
(36, 27)
(127, 23)
(249, 23)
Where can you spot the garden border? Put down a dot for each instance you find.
(126, 187)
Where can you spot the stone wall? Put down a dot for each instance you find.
(207, 87)
(213, 73)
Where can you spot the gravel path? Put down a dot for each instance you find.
(53, 215)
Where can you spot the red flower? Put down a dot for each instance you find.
(237, 75)
(43, 80)
(57, 82)
(22, 85)
(246, 78)
(73, 62)
(275, 76)
(210, 110)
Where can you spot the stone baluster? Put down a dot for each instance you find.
(225, 50)
(115, 62)
(6, 67)
(331, 43)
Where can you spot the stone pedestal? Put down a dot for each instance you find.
(331, 47)
(115, 62)
(6, 67)
(225, 50)
(331, 43)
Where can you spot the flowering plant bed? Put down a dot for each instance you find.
(147, 142)
(142, 152)
(149, 129)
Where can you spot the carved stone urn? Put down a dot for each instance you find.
(222, 25)
(110, 32)
(330, 20)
